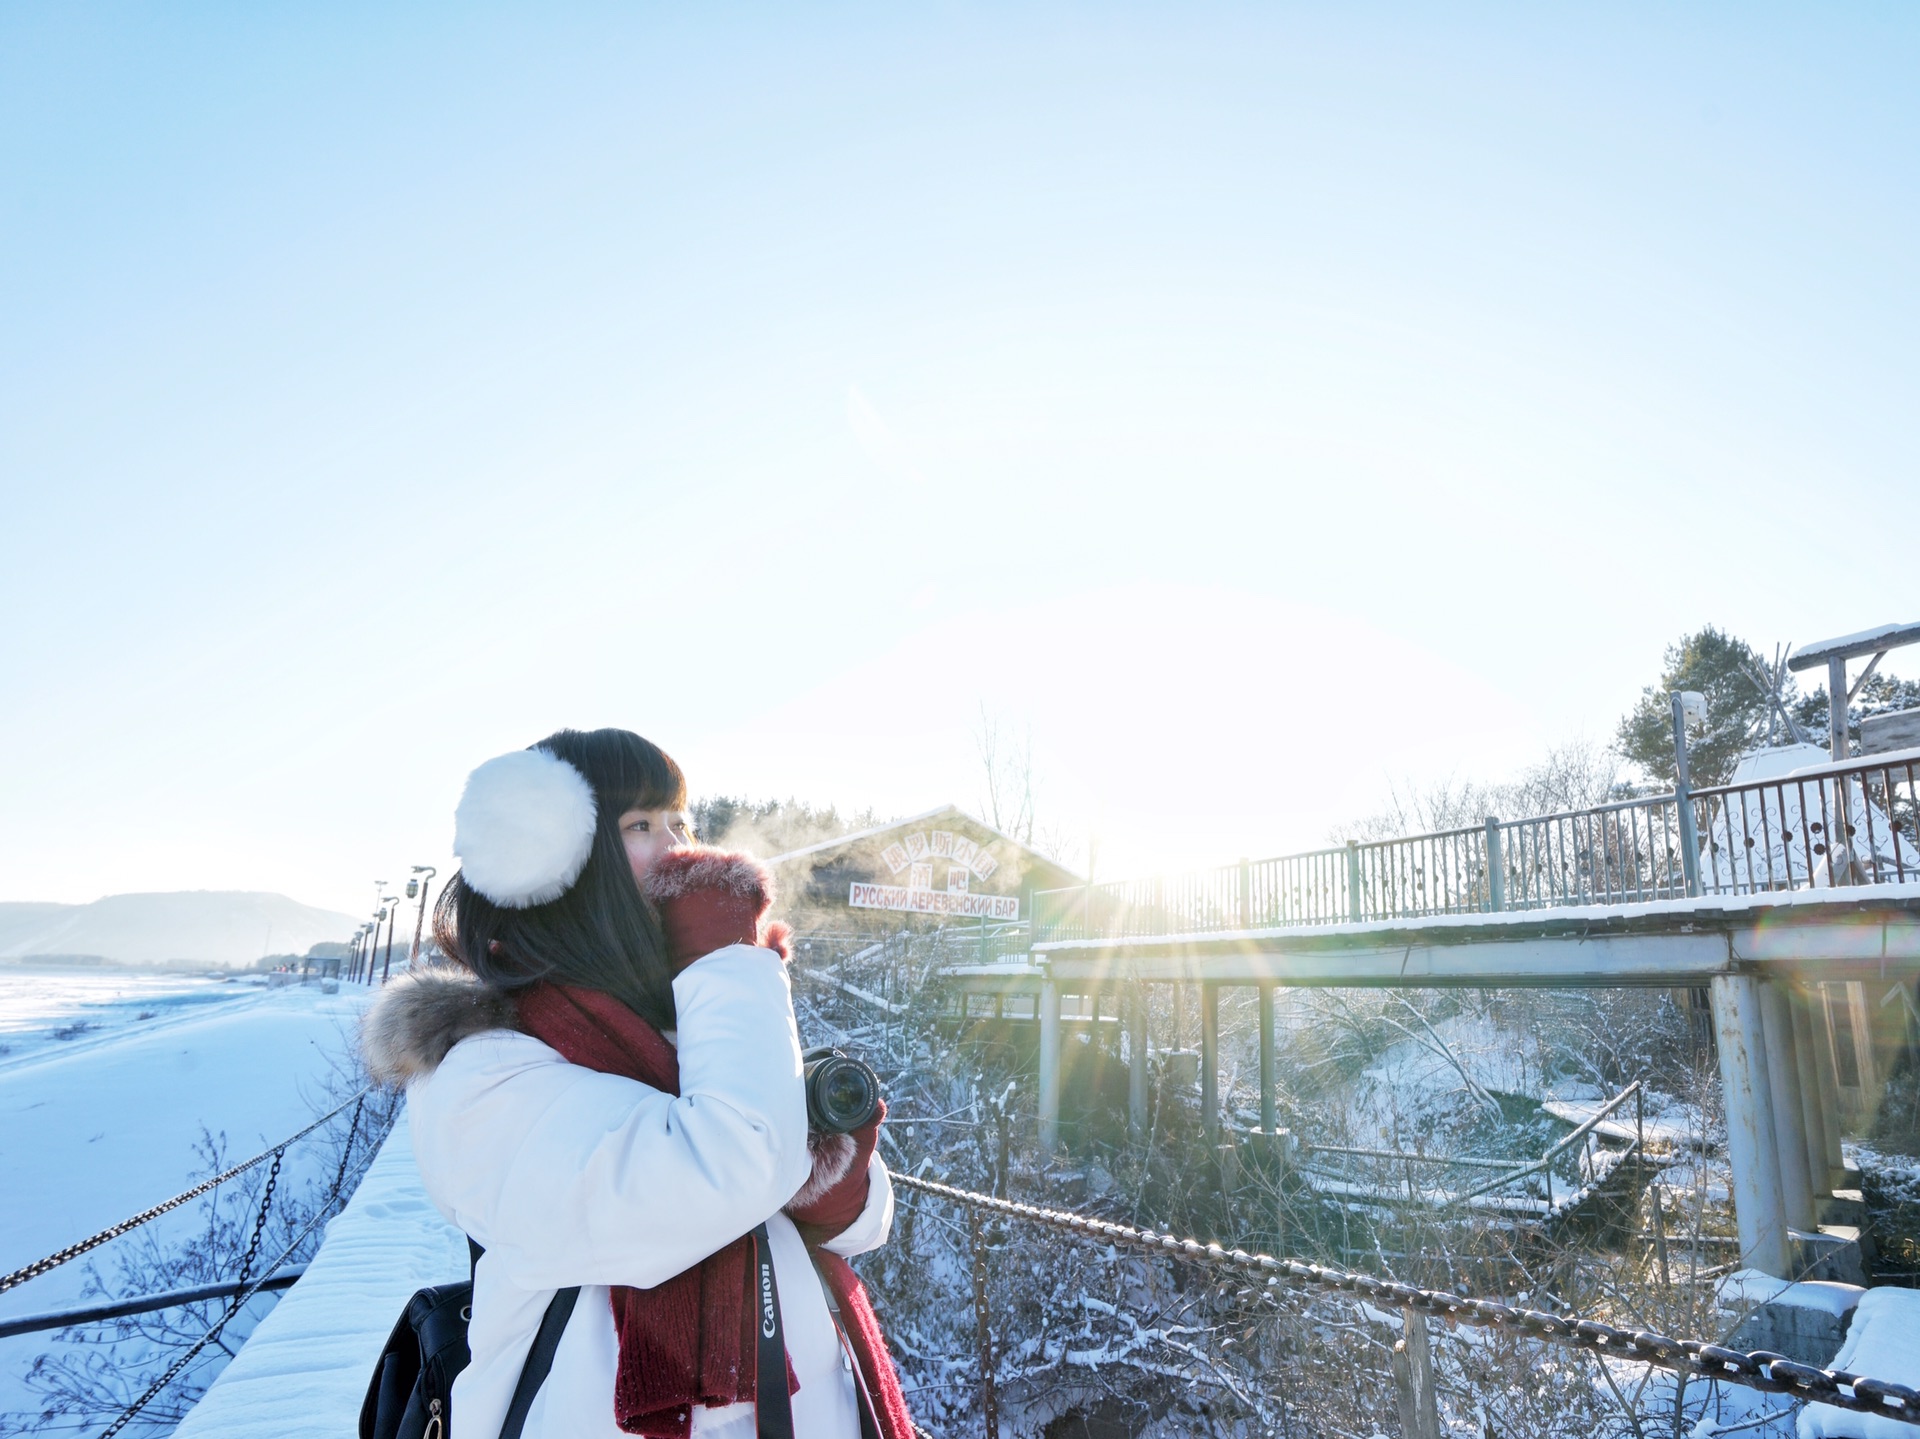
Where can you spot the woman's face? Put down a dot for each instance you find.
(650, 833)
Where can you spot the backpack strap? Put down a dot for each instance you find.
(546, 1342)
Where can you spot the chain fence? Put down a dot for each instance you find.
(1756, 1369)
(74, 1251)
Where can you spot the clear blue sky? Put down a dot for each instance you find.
(1264, 402)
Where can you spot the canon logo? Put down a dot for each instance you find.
(769, 1325)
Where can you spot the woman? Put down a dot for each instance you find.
(607, 1094)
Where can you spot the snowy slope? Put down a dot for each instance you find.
(305, 1369)
(97, 1130)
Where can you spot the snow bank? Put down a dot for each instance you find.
(304, 1370)
(1883, 1343)
(1751, 1286)
(1668, 1123)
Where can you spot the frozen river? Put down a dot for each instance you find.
(43, 1010)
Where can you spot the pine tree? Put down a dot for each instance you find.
(1720, 667)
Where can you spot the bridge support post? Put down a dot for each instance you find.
(1814, 1005)
(1269, 1078)
(1137, 1060)
(1812, 1120)
(1789, 1113)
(1049, 1065)
(1758, 1207)
(1210, 1060)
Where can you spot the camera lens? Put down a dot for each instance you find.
(842, 1093)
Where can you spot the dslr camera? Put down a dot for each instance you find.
(843, 1093)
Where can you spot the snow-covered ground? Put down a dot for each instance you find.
(98, 1126)
(1883, 1341)
(305, 1369)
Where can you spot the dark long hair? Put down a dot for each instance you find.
(601, 934)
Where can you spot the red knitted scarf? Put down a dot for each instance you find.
(689, 1341)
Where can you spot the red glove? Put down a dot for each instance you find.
(711, 898)
(836, 1194)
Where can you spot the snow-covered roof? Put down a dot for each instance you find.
(1779, 761)
(1808, 761)
(826, 844)
(945, 811)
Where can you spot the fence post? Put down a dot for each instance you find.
(1356, 906)
(1413, 1379)
(989, 1400)
(1496, 868)
(1246, 894)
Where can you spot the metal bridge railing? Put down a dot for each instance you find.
(1848, 824)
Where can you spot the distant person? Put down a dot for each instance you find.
(607, 1093)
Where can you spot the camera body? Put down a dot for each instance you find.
(843, 1093)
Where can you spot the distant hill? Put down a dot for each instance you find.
(217, 928)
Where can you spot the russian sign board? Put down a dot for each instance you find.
(923, 846)
(933, 901)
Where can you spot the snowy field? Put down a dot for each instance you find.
(109, 1120)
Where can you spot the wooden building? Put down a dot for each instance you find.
(943, 867)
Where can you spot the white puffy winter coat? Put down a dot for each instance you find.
(569, 1176)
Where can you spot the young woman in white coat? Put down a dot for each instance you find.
(605, 1091)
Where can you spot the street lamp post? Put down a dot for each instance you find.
(1689, 706)
(380, 917)
(421, 879)
(380, 906)
(393, 919)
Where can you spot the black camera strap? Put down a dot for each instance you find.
(869, 1416)
(772, 1404)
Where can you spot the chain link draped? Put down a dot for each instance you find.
(1758, 1369)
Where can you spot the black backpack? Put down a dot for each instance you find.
(411, 1393)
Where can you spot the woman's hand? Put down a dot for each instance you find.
(711, 898)
(836, 1193)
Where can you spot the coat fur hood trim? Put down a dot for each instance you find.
(422, 1014)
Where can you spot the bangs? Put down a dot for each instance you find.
(626, 771)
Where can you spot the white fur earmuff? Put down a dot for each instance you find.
(524, 828)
